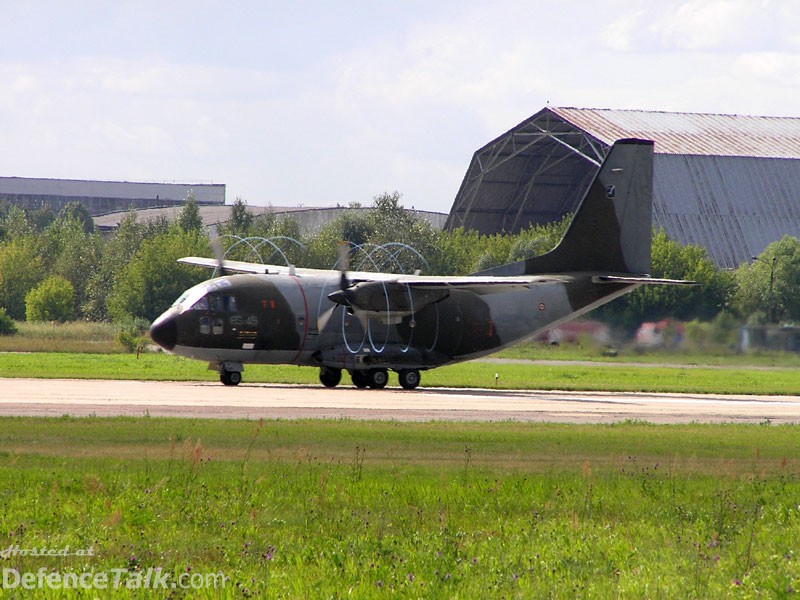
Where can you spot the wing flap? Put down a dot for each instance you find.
(641, 280)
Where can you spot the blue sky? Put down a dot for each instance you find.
(319, 103)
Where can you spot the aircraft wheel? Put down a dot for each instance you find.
(409, 378)
(230, 377)
(330, 377)
(378, 378)
(360, 379)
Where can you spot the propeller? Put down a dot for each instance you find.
(343, 255)
(216, 246)
(339, 296)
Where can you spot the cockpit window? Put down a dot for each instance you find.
(201, 304)
(216, 304)
(207, 296)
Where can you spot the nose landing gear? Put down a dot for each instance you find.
(230, 373)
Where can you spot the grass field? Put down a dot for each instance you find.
(333, 509)
(329, 509)
(554, 376)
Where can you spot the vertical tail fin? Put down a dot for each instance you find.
(611, 230)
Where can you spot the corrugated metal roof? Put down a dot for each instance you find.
(693, 133)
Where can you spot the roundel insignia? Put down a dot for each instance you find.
(542, 306)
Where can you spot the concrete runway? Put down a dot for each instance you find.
(56, 397)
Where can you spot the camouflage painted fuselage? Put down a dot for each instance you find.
(274, 319)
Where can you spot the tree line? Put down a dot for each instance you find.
(58, 267)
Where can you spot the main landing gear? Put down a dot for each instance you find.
(372, 378)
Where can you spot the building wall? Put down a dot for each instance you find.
(101, 197)
(734, 206)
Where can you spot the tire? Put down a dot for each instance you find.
(378, 378)
(230, 377)
(360, 379)
(409, 378)
(330, 377)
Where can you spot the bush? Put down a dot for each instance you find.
(7, 325)
(133, 336)
(51, 300)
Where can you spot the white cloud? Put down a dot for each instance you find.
(622, 34)
(704, 24)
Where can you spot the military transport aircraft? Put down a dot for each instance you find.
(370, 323)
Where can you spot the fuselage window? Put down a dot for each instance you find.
(215, 303)
(230, 304)
(205, 325)
(201, 304)
(217, 326)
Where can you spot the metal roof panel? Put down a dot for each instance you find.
(693, 133)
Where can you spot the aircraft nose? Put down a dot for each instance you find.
(164, 330)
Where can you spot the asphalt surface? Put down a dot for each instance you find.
(56, 397)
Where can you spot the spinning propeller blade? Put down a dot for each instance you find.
(219, 270)
(343, 264)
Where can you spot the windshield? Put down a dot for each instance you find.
(195, 297)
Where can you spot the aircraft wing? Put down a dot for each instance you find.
(484, 282)
(478, 284)
(405, 295)
(641, 280)
(458, 281)
(240, 266)
(229, 265)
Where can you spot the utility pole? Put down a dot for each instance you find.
(770, 301)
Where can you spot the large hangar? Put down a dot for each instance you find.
(730, 183)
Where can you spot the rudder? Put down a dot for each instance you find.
(612, 228)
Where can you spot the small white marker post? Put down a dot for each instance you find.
(496, 377)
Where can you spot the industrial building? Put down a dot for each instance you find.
(101, 197)
(309, 219)
(730, 183)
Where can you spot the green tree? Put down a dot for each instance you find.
(15, 223)
(40, 218)
(7, 325)
(77, 211)
(672, 260)
(153, 278)
(70, 251)
(189, 218)
(20, 271)
(115, 254)
(52, 300)
(240, 220)
(389, 222)
(351, 226)
(768, 288)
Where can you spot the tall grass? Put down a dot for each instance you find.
(77, 336)
(333, 509)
